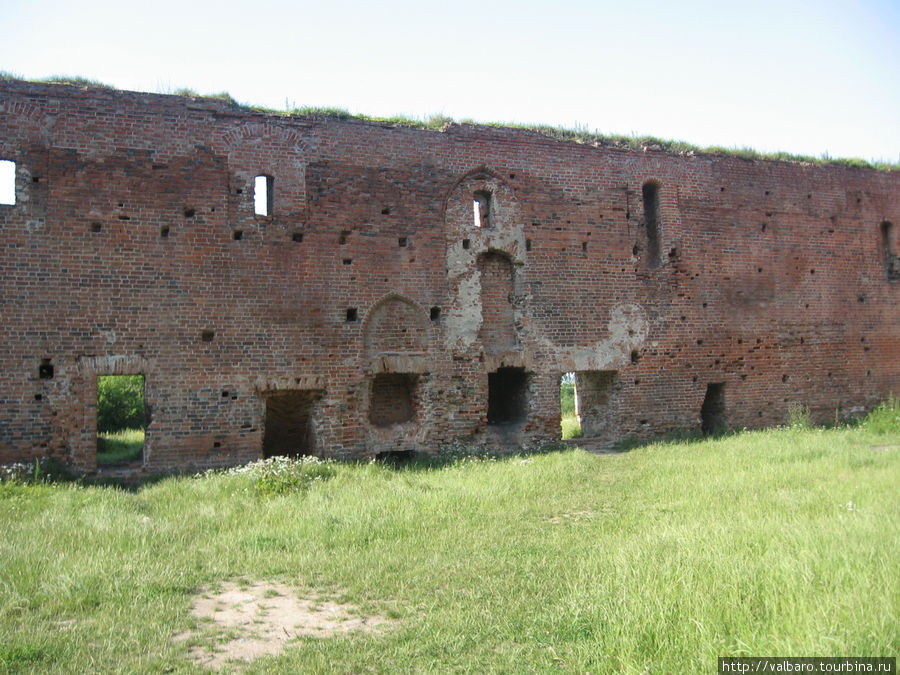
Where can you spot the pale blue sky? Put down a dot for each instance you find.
(804, 76)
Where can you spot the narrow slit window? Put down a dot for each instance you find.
(7, 182)
(650, 192)
(263, 193)
(481, 208)
(891, 259)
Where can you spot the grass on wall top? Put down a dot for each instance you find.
(577, 135)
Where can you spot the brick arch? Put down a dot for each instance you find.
(258, 130)
(457, 201)
(395, 324)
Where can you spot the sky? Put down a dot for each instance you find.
(811, 77)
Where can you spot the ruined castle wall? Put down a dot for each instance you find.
(371, 311)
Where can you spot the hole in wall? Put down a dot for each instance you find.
(263, 195)
(297, 236)
(481, 208)
(45, 370)
(237, 235)
(568, 422)
(528, 244)
(207, 335)
(393, 399)
(289, 428)
(507, 396)
(164, 232)
(96, 227)
(650, 193)
(396, 457)
(712, 412)
(352, 314)
(189, 211)
(386, 211)
(466, 244)
(435, 313)
(124, 217)
(121, 419)
(347, 261)
(402, 242)
(7, 182)
(597, 403)
(635, 357)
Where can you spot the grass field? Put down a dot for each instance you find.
(660, 559)
(120, 446)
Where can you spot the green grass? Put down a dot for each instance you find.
(120, 446)
(571, 427)
(779, 542)
(580, 135)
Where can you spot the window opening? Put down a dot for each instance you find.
(7, 182)
(263, 192)
(289, 430)
(891, 259)
(507, 396)
(393, 399)
(651, 218)
(568, 405)
(712, 413)
(121, 419)
(481, 208)
(45, 370)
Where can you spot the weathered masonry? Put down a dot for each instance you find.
(346, 288)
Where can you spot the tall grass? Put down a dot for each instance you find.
(779, 542)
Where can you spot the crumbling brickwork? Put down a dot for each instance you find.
(402, 289)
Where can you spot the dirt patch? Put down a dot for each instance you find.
(259, 618)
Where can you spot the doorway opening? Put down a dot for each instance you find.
(121, 419)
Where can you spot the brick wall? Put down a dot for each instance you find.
(134, 246)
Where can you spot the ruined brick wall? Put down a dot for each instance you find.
(412, 288)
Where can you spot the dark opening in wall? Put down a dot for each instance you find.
(289, 430)
(402, 242)
(164, 232)
(207, 335)
(652, 221)
(597, 398)
(481, 208)
(121, 419)
(507, 396)
(393, 399)
(396, 457)
(297, 236)
(435, 313)
(568, 406)
(352, 314)
(891, 260)
(7, 182)
(189, 212)
(237, 235)
(712, 412)
(45, 370)
(263, 195)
